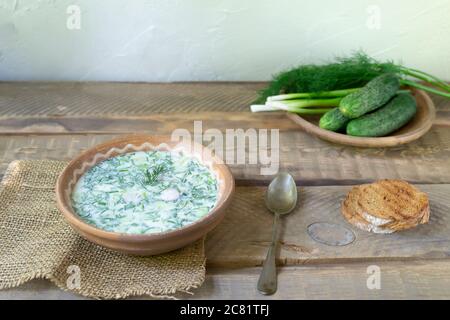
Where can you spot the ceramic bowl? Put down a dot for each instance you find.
(415, 129)
(150, 244)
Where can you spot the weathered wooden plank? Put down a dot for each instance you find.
(22, 99)
(243, 237)
(19, 99)
(159, 123)
(310, 160)
(441, 103)
(45, 147)
(399, 280)
(241, 240)
(313, 160)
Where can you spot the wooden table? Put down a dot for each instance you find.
(58, 120)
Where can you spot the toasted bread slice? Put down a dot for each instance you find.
(403, 225)
(350, 212)
(393, 200)
(386, 206)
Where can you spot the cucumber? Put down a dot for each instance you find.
(386, 120)
(371, 97)
(333, 120)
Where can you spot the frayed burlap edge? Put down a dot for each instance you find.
(164, 294)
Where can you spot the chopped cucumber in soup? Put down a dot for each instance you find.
(145, 192)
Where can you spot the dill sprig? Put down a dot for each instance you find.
(151, 176)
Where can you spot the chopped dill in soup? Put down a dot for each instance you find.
(145, 192)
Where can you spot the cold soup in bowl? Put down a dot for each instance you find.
(143, 194)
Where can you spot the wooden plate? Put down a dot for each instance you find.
(415, 129)
(148, 244)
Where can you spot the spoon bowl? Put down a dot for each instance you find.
(281, 195)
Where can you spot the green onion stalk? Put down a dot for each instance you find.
(312, 95)
(425, 88)
(304, 106)
(305, 111)
(310, 105)
(423, 76)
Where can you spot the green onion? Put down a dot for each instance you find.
(326, 94)
(307, 103)
(425, 88)
(264, 108)
(318, 111)
(421, 75)
(274, 103)
(307, 106)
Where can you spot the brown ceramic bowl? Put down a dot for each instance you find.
(416, 128)
(142, 244)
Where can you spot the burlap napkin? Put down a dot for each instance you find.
(36, 242)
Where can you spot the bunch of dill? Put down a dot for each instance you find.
(344, 73)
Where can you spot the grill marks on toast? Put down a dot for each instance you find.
(386, 206)
(350, 212)
(393, 199)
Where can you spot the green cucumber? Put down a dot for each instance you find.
(333, 120)
(371, 97)
(394, 115)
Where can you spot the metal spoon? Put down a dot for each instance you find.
(281, 198)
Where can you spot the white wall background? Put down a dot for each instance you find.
(170, 40)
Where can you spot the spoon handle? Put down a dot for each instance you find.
(267, 283)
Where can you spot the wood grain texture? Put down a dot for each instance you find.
(160, 123)
(399, 280)
(58, 120)
(310, 160)
(25, 99)
(19, 99)
(242, 239)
